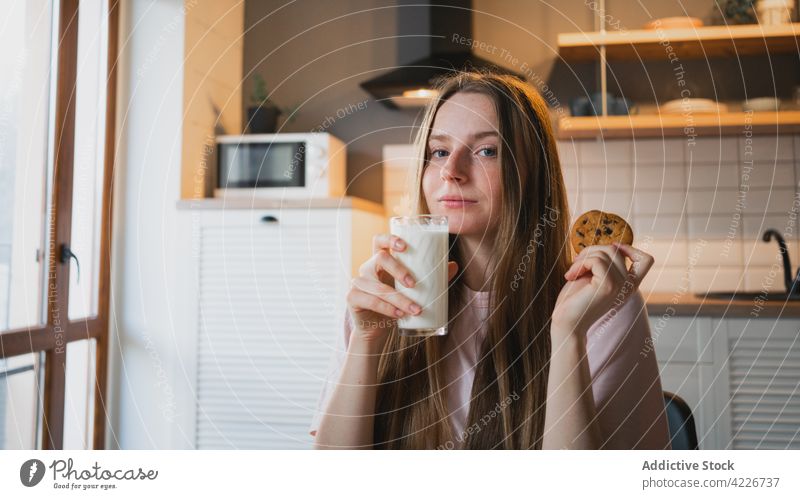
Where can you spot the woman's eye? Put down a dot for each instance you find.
(488, 152)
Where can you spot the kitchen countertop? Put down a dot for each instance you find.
(659, 304)
(254, 203)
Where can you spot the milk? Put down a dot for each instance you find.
(425, 257)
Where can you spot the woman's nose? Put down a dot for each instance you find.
(454, 168)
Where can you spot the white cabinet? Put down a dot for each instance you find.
(270, 302)
(686, 351)
(764, 364)
(740, 377)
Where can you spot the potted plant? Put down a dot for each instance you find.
(738, 12)
(262, 114)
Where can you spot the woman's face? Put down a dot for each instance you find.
(462, 178)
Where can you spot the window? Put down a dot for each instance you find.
(56, 162)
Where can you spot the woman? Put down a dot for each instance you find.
(541, 352)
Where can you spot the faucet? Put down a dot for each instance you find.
(792, 285)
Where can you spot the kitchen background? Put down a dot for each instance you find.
(221, 338)
(674, 193)
(698, 204)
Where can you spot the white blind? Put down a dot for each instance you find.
(765, 389)
(269, 309)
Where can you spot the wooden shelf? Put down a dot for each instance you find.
(675, 125)
(706, 41)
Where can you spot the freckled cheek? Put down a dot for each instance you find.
(430, 183)
(491, 187)
(495, 191)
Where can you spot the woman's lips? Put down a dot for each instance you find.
(456, 202)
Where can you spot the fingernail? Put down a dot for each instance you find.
(398, 313)
(409, 281)
(399, 245)
(416, 308)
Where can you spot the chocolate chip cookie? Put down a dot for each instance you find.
(599, 227)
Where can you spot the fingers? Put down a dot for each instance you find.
(383, 260)
(641, 262)
(387, 294)
(600, 264)
(361, 300)
(386, 242)
(600, 267)
(618, 257)
(615, 255)
(452, 270)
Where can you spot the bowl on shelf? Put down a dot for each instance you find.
(761, 104)
(681, 106)
(676, 22)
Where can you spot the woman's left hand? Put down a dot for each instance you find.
(597, 280)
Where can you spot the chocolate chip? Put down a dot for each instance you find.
(580, 233)
(581, 245)
(597, 232)
(608, 231)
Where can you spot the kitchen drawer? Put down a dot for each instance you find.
(682, 339)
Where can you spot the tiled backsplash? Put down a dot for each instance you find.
(700, 209)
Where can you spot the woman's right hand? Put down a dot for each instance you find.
(374, 303)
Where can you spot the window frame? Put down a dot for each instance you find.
(53, 336)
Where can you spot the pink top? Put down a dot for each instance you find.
(625, 380)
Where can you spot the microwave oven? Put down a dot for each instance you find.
(281, 165)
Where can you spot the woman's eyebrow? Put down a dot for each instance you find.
(477, 135)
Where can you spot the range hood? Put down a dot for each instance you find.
(435, 35)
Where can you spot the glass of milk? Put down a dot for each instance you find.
(425, 256)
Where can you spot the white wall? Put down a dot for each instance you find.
(699, 207)
(147, 332)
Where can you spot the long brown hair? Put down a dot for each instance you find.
(528, 273)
